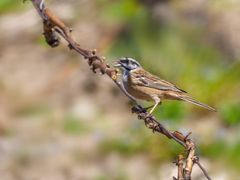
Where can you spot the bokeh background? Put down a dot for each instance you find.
(60, 121)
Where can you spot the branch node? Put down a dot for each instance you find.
(70, 46)
(186, 137)
(94, 51)
(155, 126)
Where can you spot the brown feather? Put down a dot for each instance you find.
(144, 78)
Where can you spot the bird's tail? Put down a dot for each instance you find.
(190, 100)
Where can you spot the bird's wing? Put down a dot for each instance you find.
(144, 78)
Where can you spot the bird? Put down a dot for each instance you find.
(143, 85)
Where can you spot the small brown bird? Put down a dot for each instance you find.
(142, 85)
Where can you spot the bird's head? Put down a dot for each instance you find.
(127, 64)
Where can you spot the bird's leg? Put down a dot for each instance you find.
(152, 106)
(157, 101)
(155, 105)
(148, 107)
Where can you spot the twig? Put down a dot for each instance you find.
(196, 160)
(179, 163)
(54, 27)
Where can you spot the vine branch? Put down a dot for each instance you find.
(54, 27)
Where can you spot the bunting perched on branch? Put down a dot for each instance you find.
(54, 27)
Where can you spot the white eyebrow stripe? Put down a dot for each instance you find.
(131, 59)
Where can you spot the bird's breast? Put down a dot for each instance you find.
(135, 90)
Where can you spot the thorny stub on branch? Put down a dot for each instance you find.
(53, 27)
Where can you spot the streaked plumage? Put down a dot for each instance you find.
(144, 86)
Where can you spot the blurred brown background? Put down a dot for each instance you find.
(60, 121)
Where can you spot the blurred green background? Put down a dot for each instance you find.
(60, 121)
